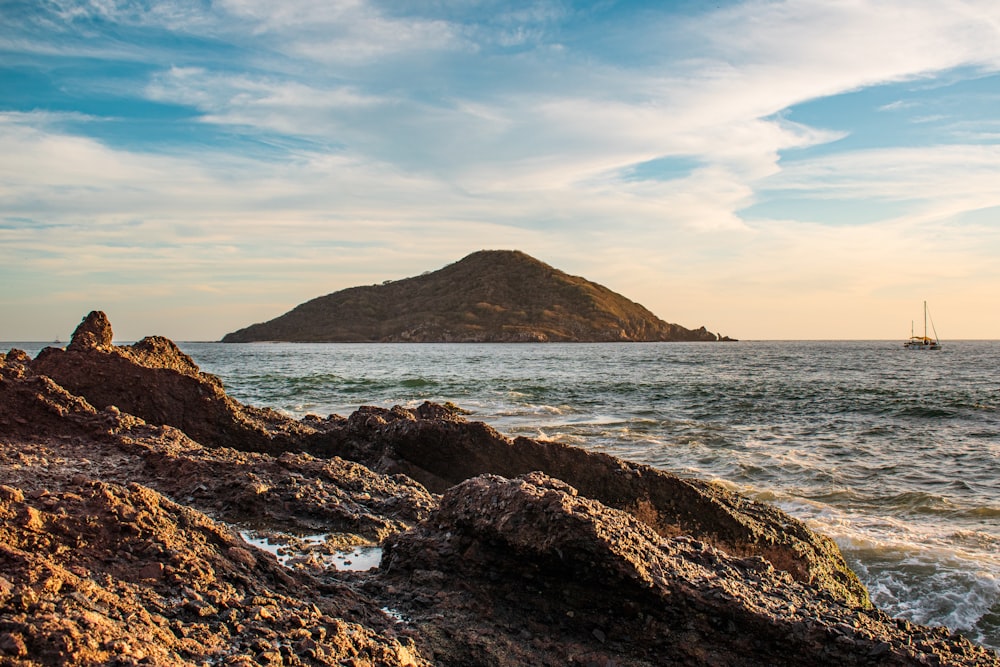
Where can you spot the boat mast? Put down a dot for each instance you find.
(925, 320)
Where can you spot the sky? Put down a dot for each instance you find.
(800, 169)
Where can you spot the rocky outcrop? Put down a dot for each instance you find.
(94, 332)
(433, 446)
(155, 381)
(527, 571)
(490, 296)
(440, 449)
(112, 548)
(63, 436)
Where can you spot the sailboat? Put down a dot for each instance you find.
(924, 342)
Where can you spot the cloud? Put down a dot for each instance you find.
(322, 138)
(944, 180)
(340, 31)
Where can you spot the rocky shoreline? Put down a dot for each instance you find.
(127, 474)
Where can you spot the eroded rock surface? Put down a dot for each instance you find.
(527, 571)
(103, 574)
(61, 437)
(440, 449)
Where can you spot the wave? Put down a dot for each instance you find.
(923, 412)
(927, 573)
(416, 383)
(931, 588)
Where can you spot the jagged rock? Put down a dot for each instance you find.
(94, 332)
(297, 490)
(596, 561)
(155, 381)
(440, 449)
(14, 357)
(527, 571)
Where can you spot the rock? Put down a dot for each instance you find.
(13, 644)
(301, 491)
(15, 357)
(155, 381)
(113, 611)
(242, 556)
(151, 571)
(442, 449)
(532, 557)
(93, 333)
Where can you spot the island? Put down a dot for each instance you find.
(490, 296)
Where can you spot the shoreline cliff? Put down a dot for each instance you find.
(126, 472)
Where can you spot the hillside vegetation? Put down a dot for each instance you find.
(489, 296)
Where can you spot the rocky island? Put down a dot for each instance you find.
(130, 483)
(501, 296)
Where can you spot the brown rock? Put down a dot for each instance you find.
(107, 610)
(301, 491)
(94, 332)
(10, 494)
(597, 561)
(12, 643)
(242, 556)
(440, 449)
(155, 381)
(558, 576)
(151, 571)
(15, 357)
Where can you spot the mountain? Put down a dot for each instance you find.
(489, 296)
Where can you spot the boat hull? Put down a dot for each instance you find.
(920, 344)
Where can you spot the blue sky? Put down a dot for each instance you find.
(801, 169)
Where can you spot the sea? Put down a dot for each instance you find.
(893, 453)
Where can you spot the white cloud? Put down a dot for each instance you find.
(499, 133)
(340, 31)
(945, 179)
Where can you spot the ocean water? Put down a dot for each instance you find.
(895, 454)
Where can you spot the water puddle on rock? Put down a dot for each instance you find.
(395, 615)
(315, 552)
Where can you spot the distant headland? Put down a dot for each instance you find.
(499, 296)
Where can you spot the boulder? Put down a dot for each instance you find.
(93, 333)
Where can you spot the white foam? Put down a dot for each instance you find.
(927, 573)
